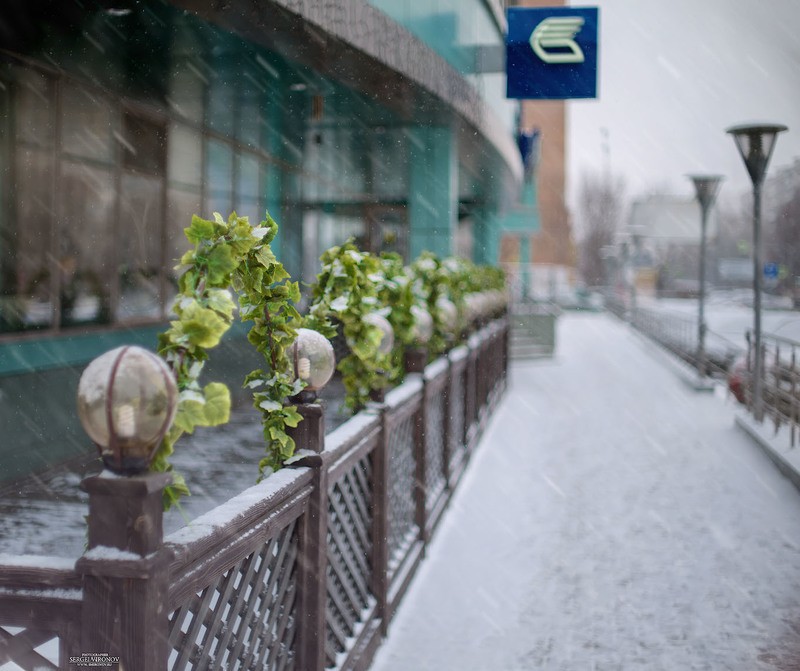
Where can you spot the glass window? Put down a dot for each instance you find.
(26, 246)
(221, 108)
(144, 148)
(34, 96)
(85, 243)
(86, 124)
(248, 187)
(389, 161)
(219, 178)
(185, 156)
(140, 232)
(181, 205)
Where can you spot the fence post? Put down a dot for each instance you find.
(126, 571)
(446, 439)
(312, 583)
(380, 524)
(470, 392)
(421, 466)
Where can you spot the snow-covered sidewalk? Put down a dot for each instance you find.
(612, 518)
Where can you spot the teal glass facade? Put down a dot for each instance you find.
(116, 125)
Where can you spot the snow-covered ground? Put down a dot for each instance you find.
(612, 519)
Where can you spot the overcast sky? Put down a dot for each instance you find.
(674, 74)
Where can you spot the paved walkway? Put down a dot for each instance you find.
(612, 519)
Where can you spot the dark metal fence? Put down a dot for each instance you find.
(301, 572)
(677, 333)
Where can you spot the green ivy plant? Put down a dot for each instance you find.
(396, 292)
(268, 298)
(432, 282)
(229, 255)
(347, 290)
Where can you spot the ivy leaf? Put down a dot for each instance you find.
(199, 230)
(291, 417)
(220, 264)
(265, 256)
(221, 301)
(203, 327)
(217, 407)
(190, 414)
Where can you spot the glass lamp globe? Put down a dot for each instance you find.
(387, 337)
(127, 399)
(448, 313)
(423, 325)
(313, 359)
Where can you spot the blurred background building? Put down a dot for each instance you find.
(540, 251)
(119, 119)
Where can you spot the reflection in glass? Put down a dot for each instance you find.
(181, 205)
(25, 265)
(219, 177)
(248, 187)
(34, 95)
(185, 156)
(85, 245)
(86, 123)
(140, 227)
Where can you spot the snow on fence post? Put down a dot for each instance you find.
(125, 572)
(309, 436)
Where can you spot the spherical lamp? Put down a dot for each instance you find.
(127, 399)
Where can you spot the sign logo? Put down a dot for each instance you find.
(551, 52)
(556, 34)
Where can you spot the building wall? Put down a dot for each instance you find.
(117, 126)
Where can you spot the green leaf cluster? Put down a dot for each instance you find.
(228, 256)
(347, 289)
(267, 297)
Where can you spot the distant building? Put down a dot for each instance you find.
(118, 121)
(663, 235)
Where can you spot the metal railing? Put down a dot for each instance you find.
(677, 333)
(303, 571)
(780, 382)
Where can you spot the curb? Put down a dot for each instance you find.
(687, 374)
(775, 445)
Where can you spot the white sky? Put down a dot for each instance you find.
(673, 75)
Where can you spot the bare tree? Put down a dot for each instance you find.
(601, 200)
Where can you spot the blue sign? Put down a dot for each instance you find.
(771, 271)
(551, 53)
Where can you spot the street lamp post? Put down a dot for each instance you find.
(706, 187)
(755, 143)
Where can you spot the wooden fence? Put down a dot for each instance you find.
(303, 571)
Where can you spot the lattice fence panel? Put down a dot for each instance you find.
(349, 572)
(246, 618)
(456, 417)
(402, 466)
(22, 648)
(434, 447)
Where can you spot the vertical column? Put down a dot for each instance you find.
(486, 236)
(433, 190)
